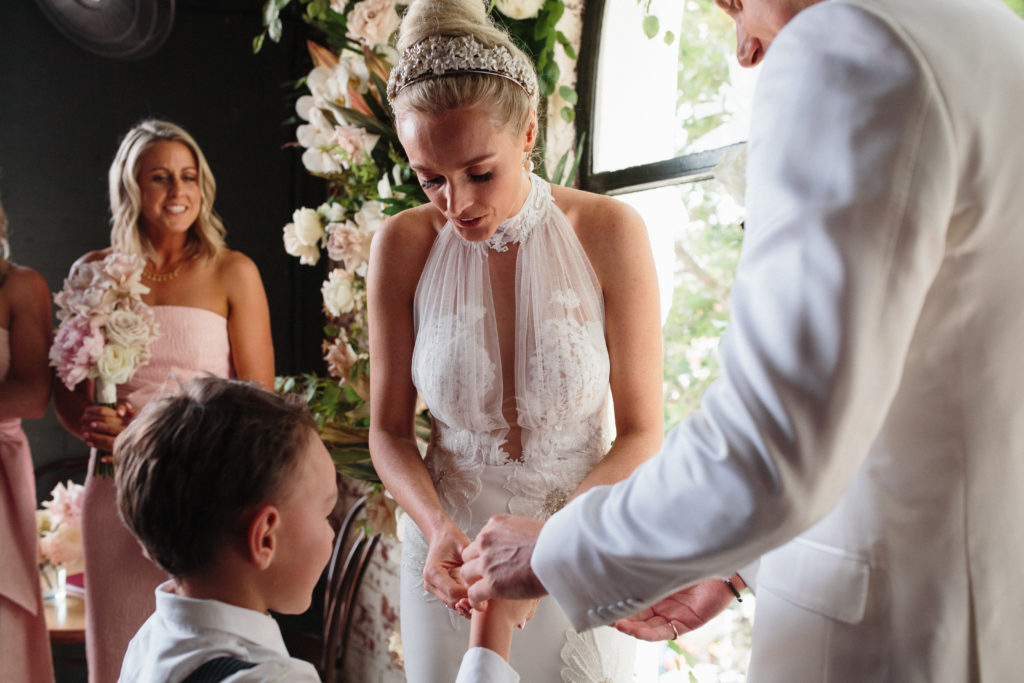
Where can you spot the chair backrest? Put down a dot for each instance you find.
(349, 561)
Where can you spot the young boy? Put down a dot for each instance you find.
(228, 488)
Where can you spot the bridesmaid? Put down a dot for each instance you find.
(213, 318)
(24, 393)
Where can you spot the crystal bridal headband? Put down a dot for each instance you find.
(442, 55)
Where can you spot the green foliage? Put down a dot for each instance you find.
(1016, 5)
(704, 56)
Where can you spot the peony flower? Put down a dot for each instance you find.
(338, 292)
(354, 143)
(340, 357)
(373, 21)
(348, 244)
(63, 546)
(64, 507)
(76, 349)
(520, 9)
(309, 231)
(125, 270)
(117, 364)
(308, 255)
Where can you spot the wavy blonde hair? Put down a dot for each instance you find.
(206, 236)
(509, 103)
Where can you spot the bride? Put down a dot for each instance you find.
(514, 308)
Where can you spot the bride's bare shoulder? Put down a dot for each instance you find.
(409, 234)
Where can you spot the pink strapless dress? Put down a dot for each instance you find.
(119, 579)
(24, 641)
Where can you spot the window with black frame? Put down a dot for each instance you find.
(665, 109)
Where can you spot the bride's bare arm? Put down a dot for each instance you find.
(616, 242)
(397, 255)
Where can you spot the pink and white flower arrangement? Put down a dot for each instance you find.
(59, 528)
(106, 329)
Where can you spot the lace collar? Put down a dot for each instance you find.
(518, 227)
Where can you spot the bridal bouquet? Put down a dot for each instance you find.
(105, 329)
(59, 530)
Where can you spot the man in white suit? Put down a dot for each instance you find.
(862, 455)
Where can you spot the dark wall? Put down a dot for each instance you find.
(63, 111)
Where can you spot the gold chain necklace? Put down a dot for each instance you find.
(161, 277)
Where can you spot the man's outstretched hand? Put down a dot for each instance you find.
(680, 612)
(497, 563)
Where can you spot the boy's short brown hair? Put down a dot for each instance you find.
(190, 465)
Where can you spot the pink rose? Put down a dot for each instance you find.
(348, 244)
(355, 142)
(373, 21)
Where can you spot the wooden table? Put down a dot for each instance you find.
(65, 619)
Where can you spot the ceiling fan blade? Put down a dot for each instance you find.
(117, 29)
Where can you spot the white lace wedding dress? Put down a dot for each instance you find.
(558, 401)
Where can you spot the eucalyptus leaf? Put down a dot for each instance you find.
(669, 37)
(568, 94)
(257, 43)
(576, 162)
(650, 26)
(274, 30)
(567, 114)
(556, 177)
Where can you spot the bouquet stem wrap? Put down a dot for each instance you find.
(105, 395)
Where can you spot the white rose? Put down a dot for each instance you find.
(308, 228)
(308, 255)
(520, 9)
(127, 328)
(370, 216)
(332, 212)
(373, 21)
(339, 295)
(348, 244)
(117, 364)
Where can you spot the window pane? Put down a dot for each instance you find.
(655, 101)
(695, 234)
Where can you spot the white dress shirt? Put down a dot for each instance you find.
(184, 633)
(480, 665)
(866, 438)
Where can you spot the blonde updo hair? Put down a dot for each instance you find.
(206, 236)
(509, 103)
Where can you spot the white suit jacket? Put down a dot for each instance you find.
(866, 439)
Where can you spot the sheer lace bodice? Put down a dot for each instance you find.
(523, 448)
(561, 362)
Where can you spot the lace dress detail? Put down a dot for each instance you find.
(561, 379)
(561, 360)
